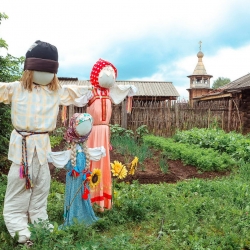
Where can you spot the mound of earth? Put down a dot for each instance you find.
(149, 172)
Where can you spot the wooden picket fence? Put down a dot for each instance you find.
(164, 118)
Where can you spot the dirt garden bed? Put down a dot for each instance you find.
(147, 173)
(150, 172)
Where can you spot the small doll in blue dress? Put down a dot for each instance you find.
(77, 205)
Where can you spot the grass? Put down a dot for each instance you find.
(196, 214)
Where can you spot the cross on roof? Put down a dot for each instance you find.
(200, 42)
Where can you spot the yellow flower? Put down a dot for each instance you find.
(119, 170)
(95, 178)
(133, 165)
(131, 171)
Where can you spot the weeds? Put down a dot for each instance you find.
(129, 147)
(163, 164)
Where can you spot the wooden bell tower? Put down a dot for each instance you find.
(199, 80)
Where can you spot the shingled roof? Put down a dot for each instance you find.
(238, 84)
(200, 68)
(226, 90)
(145, 88)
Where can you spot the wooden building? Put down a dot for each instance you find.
(237, 93)
(199, 80)
(146, 90)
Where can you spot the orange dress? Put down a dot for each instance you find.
(101, 111)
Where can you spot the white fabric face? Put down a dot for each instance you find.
(42, 78)
(106, 77)
(84, 128)
(84, 124)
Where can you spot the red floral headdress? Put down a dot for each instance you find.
(98, 66)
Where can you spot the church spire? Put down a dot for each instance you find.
(200, 68)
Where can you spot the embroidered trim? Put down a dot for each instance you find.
(103, 98)
(103, 109)
(97, 97)
(101, 198)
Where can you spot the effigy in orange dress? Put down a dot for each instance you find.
(100, 136)
(102, 78)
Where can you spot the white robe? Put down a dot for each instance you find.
(23, 206)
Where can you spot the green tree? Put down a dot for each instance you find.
(10, 70)
(3, 44)
(10, 66)
(220, 81)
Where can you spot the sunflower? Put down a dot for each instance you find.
(119, 170)
(95, 178)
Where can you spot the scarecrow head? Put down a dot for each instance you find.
(80, 126)
(41, 66)
(103, 74)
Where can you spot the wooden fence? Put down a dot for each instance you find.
(164, 118)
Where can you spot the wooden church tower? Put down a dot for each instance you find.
(199, 80)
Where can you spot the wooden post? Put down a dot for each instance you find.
(176, 114)
(208, 120)
(222, 120)
(169, 117)
(229, 114)
(124, 115)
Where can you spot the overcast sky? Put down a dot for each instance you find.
(156, 40)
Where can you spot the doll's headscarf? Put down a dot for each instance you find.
(71, 134)
(98, 66)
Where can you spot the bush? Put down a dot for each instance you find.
(5, 131)
(55, 140)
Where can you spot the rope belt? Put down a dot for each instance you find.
(24, 168)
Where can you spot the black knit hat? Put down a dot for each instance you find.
(42, 56)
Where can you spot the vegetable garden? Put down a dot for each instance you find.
(188, 213)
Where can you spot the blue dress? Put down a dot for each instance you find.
(75, 207)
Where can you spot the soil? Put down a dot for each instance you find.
(149, 171)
